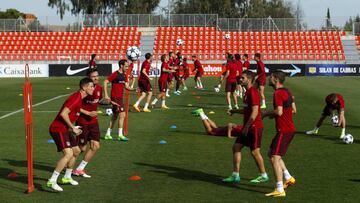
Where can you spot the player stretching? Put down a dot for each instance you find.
(89, 124)
(231, 130)
(261, 78)
(61, 129)
(333, 102)
(163, 81)
(251, 132)
(231, 83)
(144, 84)
(199, 71)
(284, 108)
(119, 81)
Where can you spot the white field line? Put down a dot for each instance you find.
(38, 104)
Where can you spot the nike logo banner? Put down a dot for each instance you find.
(77, 69)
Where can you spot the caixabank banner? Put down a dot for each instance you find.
(77, 69)
(18, 70)
(332, 69)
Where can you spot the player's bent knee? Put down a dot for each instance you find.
(68, 153)
(76, 151)
(95, 145)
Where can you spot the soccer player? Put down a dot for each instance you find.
(246, 64)
(284, 108)
(92, 63)
(334, 101)
(261, 78)
(199, 71)
(119, 81)
(251, 132)
(129, 73)
(177, 64)
(231, 83)
(171, 63)
(163, 81)
(238, 64)
(89, 125)
(144, 84)
(221, 79)
(231, 130)
(61, 130)
(186, 73)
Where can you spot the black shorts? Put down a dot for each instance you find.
(328, 109)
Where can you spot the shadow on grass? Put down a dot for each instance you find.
(354, 180)
(23, 179)
(186, 174)
(23, 163)
(325, 137)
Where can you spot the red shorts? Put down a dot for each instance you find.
(162, 86)
(261, 80)
(63, 140)
(89, 132)
(252, 139)
(230, 86)
(144, 86)
(170, 77)
(116, 108)
(280, 143)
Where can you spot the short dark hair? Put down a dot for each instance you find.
(91, 70)
(122, 62)
(237, 56)
(230, 57)
(178, 53)
(332, 97)
(163, 57)
(280, 75)
(246, 56)
(147, 56)
(170, 53)
(93, 56)
(249, 74)
(257, 55)
(194, 56)
(84, 82)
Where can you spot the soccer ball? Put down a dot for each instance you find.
(348, 139)
(335, 120)
(217, 89)
(179, 42)
(109, 112)
(133, 53)
(227, 36)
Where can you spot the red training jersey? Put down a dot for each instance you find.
(145, 65)
(118, 81)
(261, 69)
(246, 65)
(340, 104)
(164, 75)
(198, 66)
(73, 103)
(90, 103)
(239, 66)
(284, 123)
(92, 64)
(252, 98)
(232, 68)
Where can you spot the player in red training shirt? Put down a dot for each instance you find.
(246, 64)
(61, 130)
(199, 71)
(130, 74)
(261, 78)
(92, 63)
(163, 81)
(231, 83)
(90, 125)
(231, 130)
(221, 78)
(119, 82)
(334, 101)
(186, 73)
(251, 133)
(284, 108)
(239, 89)
(172, 66)
(144, 84)
(178, 68)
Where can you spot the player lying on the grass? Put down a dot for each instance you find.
(61, 130)
(144, 84)
(89, 125)
(163, 81)
(251, 132)
(231, 130)
(334, 101)
(119, 82)
(284, 108)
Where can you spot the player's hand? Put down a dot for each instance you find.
(107, 99)
(77, 130)
(245, 130)
(92, 113)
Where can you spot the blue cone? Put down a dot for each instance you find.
(162, 142)
(51, 141)
(173, 126)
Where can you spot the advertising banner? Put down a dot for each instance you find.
(18, 70)
(332, 69)
(77, 69)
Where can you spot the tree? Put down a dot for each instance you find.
(349, 23)
(11, 14)
(328, 19)
(77, 7)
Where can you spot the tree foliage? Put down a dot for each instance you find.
(11, 14)
(77, 7)
(349, 23)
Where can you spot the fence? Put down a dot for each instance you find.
(356, 28)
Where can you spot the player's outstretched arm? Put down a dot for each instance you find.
(106, 95)
(229, 130)
(89, 113)
(234, 111)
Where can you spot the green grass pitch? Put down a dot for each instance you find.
(189, 168)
